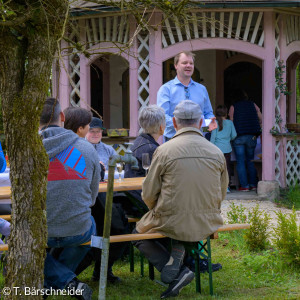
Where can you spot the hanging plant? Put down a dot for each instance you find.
(282, 85)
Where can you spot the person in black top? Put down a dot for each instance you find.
(246, 118)
(153, 123)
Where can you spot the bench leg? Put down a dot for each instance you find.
(151, 271)
(209, 267)
(197, 274)
(131, 257)
(142, 264)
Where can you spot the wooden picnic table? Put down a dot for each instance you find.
(127, 184)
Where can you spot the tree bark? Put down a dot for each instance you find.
(26, 55)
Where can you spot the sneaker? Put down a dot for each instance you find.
(252, 188)
(228, 190)
(242, 189)
(171, 269)
(79, 289)
(203, 266)
(184, 278)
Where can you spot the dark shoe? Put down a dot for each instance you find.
(184, 278)
(171, 269)
(111, 278)
(79, 289)
(203, 266)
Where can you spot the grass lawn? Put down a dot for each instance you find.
(244, 276)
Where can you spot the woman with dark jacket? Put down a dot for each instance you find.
(152, 121)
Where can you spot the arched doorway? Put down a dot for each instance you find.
(246, 76)
(109, 90)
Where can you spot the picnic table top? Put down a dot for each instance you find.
(127, 184)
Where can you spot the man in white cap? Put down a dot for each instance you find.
(183, 190)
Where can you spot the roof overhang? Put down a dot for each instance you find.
(86, 8)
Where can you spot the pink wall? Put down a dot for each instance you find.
(268, 104)
(64, 85)
(155, 62)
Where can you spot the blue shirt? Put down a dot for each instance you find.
(172, 92)
(222, 138)
(2, 160)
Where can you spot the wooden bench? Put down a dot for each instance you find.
(200, 249)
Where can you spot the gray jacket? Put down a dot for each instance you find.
(105, 152)
(73, 182)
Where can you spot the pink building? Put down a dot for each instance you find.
(237, 43)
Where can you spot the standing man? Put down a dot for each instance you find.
(73, 184)
(183, 87)
(183, 190)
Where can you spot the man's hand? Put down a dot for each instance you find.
(213, 124)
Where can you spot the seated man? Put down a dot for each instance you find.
(78, 119)
(183, 190)
(119, 223)
(94, 136)
(73, 184)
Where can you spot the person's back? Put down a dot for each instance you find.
(245, 118)
(183, 190)
(223, 138)
(71, 182)
(191, 187)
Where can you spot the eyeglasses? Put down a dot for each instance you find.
(95, 131)
(187, 93)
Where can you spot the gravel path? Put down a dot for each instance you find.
(266, 206)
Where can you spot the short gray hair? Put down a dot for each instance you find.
(151, 117)
(187, 122)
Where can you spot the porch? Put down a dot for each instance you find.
(244, 46)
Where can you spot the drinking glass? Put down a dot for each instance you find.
(120, 166)
(145, 162)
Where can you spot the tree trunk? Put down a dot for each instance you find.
(26, 56)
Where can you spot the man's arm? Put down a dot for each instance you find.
(258, 114)
(207, 109)
(163, 100)
(152, 184)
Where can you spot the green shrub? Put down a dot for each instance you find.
(257, 236)
(269, 260)
(236, 214)
(291, 197)
(287, 237)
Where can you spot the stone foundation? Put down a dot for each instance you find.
(268, 190)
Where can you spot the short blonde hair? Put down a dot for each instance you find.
(187, 53)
